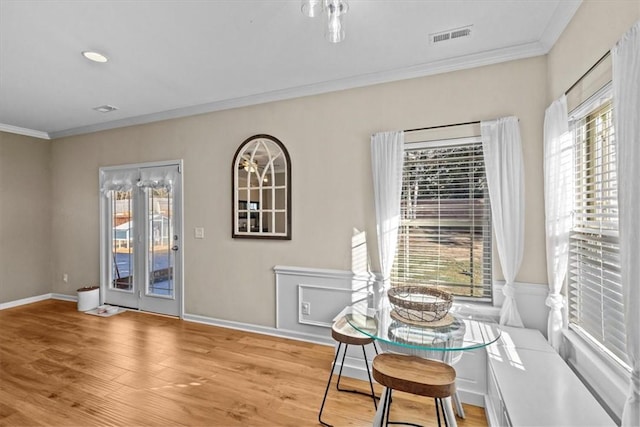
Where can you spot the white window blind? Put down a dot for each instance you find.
(595, 292)
(445, 232)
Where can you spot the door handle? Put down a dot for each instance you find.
(174, 247)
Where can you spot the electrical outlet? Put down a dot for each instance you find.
(199, 232)
(306, 308)
(65, 278)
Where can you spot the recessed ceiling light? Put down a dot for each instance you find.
(105, 108)
(94, 56)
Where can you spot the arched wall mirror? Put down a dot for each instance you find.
(261, 189)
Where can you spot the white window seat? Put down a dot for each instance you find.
(529, 384)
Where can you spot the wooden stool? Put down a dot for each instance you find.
(344, 333)
(411, 374)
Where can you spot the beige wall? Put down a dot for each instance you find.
(328, 138)
(594, 29)
(25, 217)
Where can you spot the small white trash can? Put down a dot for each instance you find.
(88, 298)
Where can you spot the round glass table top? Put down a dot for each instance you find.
(455, 332)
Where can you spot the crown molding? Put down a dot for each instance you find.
(563, 13)
(562, 16)
(423, 70)
(24, 131)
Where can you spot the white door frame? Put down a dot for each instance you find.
(105, 251)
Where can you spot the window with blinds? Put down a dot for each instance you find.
(596, 308)
(445, 232)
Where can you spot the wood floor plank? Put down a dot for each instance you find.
(60, 367)
(55, 409)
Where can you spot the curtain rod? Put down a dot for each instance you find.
(598, 62)
(442, 126)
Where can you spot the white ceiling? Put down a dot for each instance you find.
(176, 58)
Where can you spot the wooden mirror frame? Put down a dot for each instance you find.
(265, 166)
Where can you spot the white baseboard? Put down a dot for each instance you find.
(64, 297)
(490, 413)
(25, 301)
(352, 370)
(37, 298)
(471, 398)
(264, 330)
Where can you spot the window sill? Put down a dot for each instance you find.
(485, 310)
(606, 378)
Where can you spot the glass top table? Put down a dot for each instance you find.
(444, 340)
(457, 332)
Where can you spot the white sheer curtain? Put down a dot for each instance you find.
(117, 180)
(626, 116)
(505, 178)
(558, 199)
(387, 159)
(126, 179)
(158, 177)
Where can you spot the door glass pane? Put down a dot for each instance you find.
(122, 233)
(160, 242)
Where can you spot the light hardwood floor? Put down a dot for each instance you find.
(59, 367)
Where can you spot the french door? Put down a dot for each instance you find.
(141, 227)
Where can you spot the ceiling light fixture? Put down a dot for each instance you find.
(249, 166)
(334, 11)
(312, 8)
(95, 56)
(105, 108)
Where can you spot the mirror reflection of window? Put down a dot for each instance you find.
(262, 189)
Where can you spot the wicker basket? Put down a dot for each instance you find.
(419, 303)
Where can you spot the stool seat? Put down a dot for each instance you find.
(346, 335)
(411, 374)
(415, 375)
(343, 332)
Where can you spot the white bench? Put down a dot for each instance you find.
(529, 384)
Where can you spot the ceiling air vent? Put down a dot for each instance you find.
(105, 108)
(456, 33)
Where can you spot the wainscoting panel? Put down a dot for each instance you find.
(327, 292)
(324, 292)
(320, 300)
(530, 298)
(471, 378)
